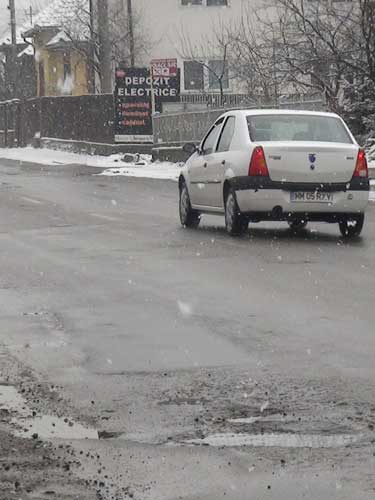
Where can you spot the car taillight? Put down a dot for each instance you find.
(361, 169)
(258, 164)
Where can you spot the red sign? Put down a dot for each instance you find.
(164, 67)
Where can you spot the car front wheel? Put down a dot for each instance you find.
(352, 226)
(235, 223)
(188, 216)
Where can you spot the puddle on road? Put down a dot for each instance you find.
(50, 427)
(245, 420)
(45, 426)
(277, 440)
(12, 401)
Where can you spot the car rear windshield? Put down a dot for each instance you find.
(297, 128)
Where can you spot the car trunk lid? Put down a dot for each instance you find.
(310, 162)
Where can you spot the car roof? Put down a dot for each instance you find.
(256, 112)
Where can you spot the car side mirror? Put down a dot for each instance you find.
(189, 148)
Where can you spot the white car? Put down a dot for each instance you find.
(294, 166)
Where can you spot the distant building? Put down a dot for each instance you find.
(59, 37)
(53, 52)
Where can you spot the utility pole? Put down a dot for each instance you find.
(130, 19)
(131, 33)
(13, 59)
(92, 56)
(105, 48)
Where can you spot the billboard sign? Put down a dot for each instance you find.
(164, 67)
(133, 101)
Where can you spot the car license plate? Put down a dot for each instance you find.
(311, 197)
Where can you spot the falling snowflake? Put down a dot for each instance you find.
(264, 406)
(185, 309)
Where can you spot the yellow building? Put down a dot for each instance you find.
(62, 64)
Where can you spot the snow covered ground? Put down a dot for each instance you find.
(139, 166)
(157, 170)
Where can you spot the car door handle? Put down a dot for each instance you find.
(205, 165)
(223, 162)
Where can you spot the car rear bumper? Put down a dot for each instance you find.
(272, 200)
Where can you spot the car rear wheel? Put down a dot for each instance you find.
(235, 222)
(188, 216)
(352, 226)
(297, 225)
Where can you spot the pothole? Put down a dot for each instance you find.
(243, 421)
(278, 440)
(49, 427)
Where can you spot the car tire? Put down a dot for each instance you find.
(235, 223)
(297, 225)
(351, 227)
(188, 216)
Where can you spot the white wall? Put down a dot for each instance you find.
(165, 19)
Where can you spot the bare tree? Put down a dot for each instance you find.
(312, 43)
(255, 48)
(128, 39)
(4, 91)
(213, 52)
(321, 45)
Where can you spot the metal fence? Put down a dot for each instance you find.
(175, 129)
(212, 100)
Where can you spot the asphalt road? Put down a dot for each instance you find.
(212, 367)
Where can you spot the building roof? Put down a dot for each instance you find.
(28, 51)
(61, 36)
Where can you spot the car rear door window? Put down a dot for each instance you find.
(293, 127)
(209, 143)
(226, 135)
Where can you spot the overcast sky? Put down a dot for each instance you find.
(22, 7)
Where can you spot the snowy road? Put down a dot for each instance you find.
(212, 367)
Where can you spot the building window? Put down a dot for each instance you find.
(217, 71)
(67, 66)
(206, 3)
(42, 80)
(191, 2)
(226, 135)
(216, 2)
(206, 75)
(193, 75)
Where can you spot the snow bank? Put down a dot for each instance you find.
(45, 156)
(157, 170)
(137, 166)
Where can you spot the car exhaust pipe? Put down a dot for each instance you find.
(277, 212)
